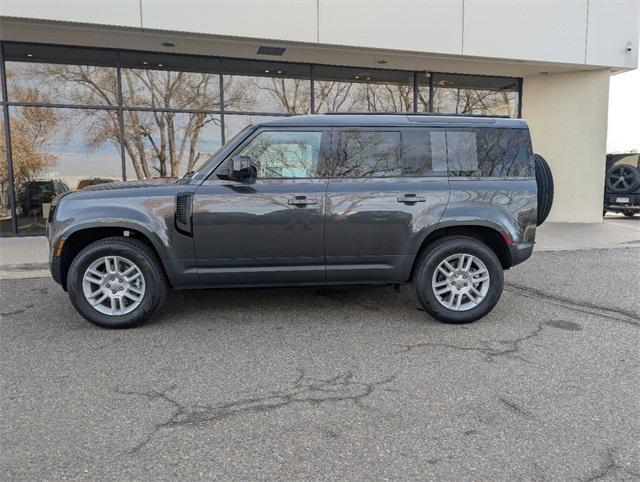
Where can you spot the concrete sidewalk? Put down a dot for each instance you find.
(27, 257)
(24, 257)
(616, 231)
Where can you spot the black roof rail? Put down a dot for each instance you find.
(425, 114)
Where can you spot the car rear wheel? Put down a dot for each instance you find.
(116, 282)
(458, 279)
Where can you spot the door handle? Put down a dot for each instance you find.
(301, 201)
(410, 199)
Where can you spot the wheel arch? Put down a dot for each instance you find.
(495, 239)
(81, 237)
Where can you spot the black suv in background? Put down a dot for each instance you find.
(622, 184)
(447, 203)
(33, 194)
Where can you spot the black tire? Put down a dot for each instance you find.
(622, 179)
(135, 251)
(439, 251)
(544, 181)
(629, 214)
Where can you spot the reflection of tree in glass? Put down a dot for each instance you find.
(335, 96)
(31, 128)
(368, 153)
(285, 154)
(267, 94)
(156, 145)
(504, 152)
(473, 101)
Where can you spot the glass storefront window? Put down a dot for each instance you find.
(32, 82)
(5, 201)
(168, 144)
(234, 123)
(423, 92)
(58, 75)
(57, 150)
(166, 89)
(340, 89)
(266, 87)
(475, 95)
(160, 81)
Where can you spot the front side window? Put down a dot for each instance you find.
(284, 154)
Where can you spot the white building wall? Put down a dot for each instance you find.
(419, 26)
(594, 32)
(293, 20)
(567, 115)
(526, 29)
(124, 13)
(613, 24)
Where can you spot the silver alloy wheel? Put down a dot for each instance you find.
(460, 282)
(113, 285)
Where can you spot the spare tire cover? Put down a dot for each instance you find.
(622, 178)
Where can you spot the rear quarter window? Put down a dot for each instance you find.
(490, 152)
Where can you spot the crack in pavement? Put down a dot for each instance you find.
(609, 467)
(514, 407)
(303, 390)
(491, 349)
(623, 316)
(16, 311)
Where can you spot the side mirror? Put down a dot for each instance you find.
(242, 170)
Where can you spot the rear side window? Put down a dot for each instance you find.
(389, 153)
(368, 154)
(490, 152)
(424, 152)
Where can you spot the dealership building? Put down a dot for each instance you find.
(94, 91)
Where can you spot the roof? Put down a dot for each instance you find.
(386, 120)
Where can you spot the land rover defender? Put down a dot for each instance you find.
(446, 203)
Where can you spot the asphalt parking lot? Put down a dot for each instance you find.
(352, 383)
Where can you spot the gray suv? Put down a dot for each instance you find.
(446, 203)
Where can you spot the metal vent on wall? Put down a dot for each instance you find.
(265, 50)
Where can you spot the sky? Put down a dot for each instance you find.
(624, 113)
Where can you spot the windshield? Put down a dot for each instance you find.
(206, 161)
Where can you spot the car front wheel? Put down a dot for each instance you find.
(458, 279)
(116, 282)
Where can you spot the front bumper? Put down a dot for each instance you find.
(55, 266)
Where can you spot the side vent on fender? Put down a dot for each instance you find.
(184, 203)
